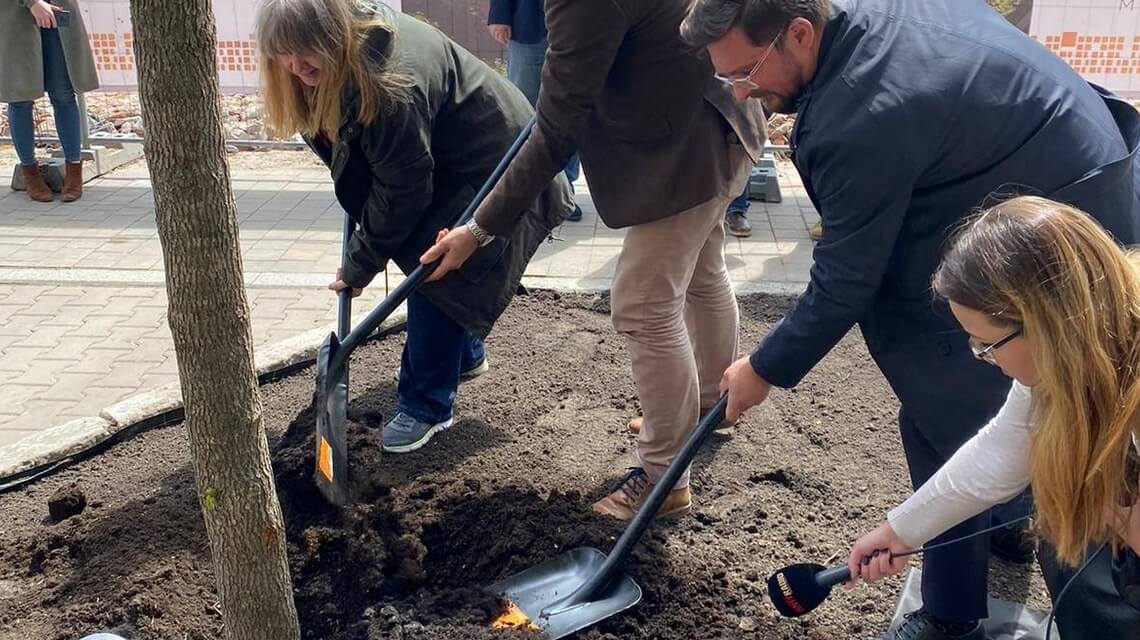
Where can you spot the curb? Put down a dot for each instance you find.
(44, 452)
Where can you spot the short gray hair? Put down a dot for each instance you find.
(711, 20)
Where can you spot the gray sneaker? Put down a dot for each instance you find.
(738, 224)
(403, 433)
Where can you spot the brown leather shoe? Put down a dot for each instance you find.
(725, 429)
(34, 183)
(72, 182)
(625, 502)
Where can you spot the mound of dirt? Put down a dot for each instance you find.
(68, 501)
(509, 485)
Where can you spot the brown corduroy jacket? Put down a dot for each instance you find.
(643, 110)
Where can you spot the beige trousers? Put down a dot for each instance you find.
(673, 301)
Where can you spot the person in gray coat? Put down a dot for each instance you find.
(909, 115)
(44, 47)
(410, 125)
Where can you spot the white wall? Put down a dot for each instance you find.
(1100, 39)
(109, 28)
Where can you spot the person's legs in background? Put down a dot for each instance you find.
(23, 131)
(524, 70)
(63, 102)
(736, 215)
(62, 95)
(524, 67)
(573, 170)
(24, 140)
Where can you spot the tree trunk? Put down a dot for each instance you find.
(174, 45)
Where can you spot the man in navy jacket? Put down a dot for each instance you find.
(909, 116)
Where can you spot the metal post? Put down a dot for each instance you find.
(84, 125)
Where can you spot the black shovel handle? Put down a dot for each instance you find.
(344, 297)
(611, 568)
(416, 277)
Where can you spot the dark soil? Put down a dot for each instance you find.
(68, 501)
(536, 440)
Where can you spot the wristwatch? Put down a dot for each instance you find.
(481, 235)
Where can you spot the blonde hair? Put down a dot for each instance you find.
(1052, 270)
(336, 31)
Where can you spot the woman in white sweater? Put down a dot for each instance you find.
(1046, 295)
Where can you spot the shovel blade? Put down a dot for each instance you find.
(539, 591)
(331, 406)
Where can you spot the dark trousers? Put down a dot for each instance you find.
(436, 350)
(1094, 608)
(953, 578)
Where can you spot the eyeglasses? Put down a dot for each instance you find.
(985, 352)
(746, 80)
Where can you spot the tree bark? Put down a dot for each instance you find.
(174, 44)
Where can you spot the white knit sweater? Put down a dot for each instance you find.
(989, 469)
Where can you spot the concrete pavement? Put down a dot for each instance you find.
(83, 307)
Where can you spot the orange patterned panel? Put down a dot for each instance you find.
(1094, 54)
(236, 55)
(114, 52)
(105, 49)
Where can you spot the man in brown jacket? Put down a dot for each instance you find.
(665, 148)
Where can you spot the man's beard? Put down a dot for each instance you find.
(775, 102)
(784, 103)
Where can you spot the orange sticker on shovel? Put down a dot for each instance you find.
(324, 459)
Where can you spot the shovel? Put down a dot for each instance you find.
(583, 586)
(332, 405)
(331, 396)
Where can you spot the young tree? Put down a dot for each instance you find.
(174, 45)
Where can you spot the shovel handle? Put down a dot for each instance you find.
(611, 568)
(344, 298)
(416, 277)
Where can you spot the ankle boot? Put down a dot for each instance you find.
(72, 182)
(34, 183)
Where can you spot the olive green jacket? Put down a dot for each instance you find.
(21, 53)
(414, 171)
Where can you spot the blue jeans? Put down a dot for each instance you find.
(739, 204)
(524, 70)
(62, 96)
(436, 349)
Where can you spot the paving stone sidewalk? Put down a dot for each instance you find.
(83, 306)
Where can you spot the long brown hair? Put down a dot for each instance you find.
(1053, 271)
(337, 32)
